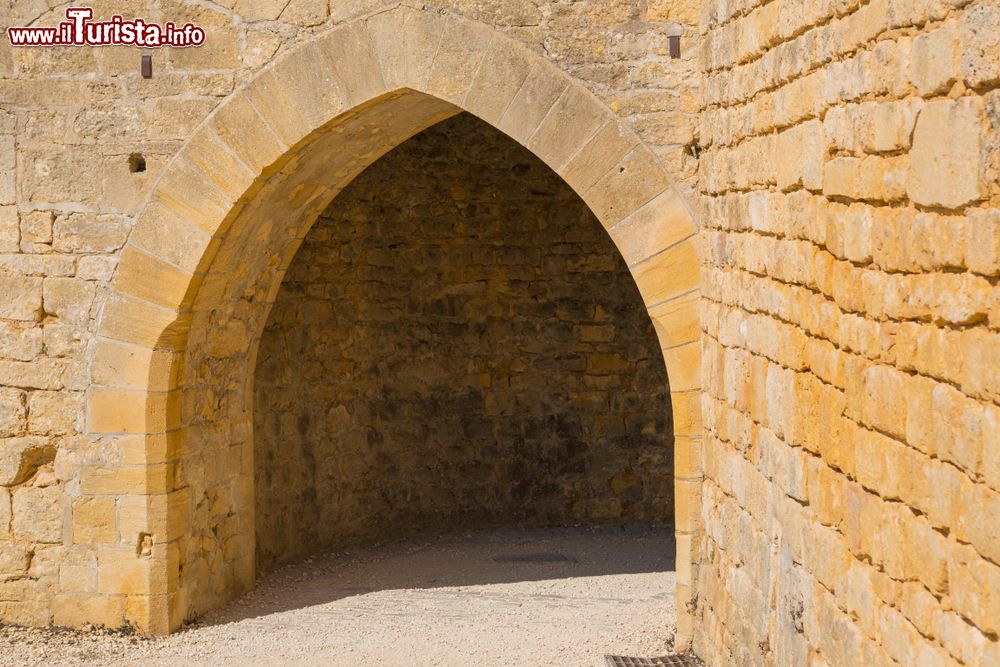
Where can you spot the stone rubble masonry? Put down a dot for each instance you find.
(457, 344)
(831, 323)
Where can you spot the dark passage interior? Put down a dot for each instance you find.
(457, 344)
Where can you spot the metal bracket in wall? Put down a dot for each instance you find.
(147, 67)
(674, 42)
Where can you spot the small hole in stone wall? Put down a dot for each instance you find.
(136, 163)
(694, 149)
(144, 545)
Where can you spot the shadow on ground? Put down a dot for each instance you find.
(459, 561)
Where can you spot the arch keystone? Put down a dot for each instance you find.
(350, 54)
(405, 41)
(457, 61)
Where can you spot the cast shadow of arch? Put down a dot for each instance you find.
(464, 562)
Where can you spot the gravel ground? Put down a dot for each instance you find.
(536, 597)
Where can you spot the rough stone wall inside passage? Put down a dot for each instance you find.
(851, 250)
(457, 344)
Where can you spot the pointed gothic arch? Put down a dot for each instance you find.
(210, 247)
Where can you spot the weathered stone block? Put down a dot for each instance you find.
(58, 173)
(943, 167)
(892, 125)
(13, 412)
(36, 227)
(68, 299)
(802, 150)
(935, 62)
(121, 571)
(177, 117)
(21, 457)
(53, 412)
(974, 587)
(14, 560)
(675, 11)
(980, 53)
(22, 296)
(80, 578)
(10, 236)
(38, 514)
(88, 233)
(982, 242)
(78, 610)
(94, 521)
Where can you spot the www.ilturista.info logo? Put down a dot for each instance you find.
(79, 30)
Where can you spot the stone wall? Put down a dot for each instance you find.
(76, 499)
(845, 171)
(851, 250)
(456, 344)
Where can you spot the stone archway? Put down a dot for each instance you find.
(210, 247)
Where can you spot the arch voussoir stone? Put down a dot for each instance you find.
(609, 144)
(239, 125)
(170, 237)
(501, 73)
(151, 279)
(274, 100)
(219, 163)
(532, 102)
(188, 192)
(210, 247)
(568, 125)
(656, 225)
(668, 274)
(627, 186)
